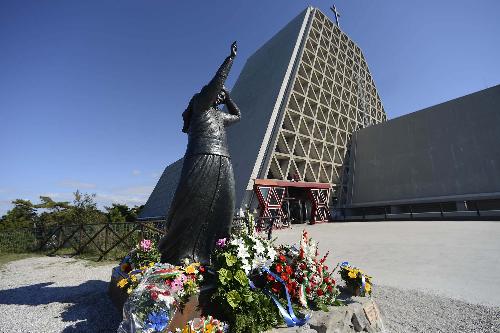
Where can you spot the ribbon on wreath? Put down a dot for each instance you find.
(289, 316)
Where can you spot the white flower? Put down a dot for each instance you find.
(271, 253)
(259, 247)
(247, 267)
(168, 300)
(242, 252)
(237, 242)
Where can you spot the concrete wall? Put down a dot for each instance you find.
(160, 199)
(445, 152)
(256, 92)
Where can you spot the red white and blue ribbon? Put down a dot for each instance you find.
(289, 316)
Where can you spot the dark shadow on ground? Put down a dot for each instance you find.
(88, 304)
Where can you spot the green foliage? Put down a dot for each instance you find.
(21, 216)
(121, 213)
(84, 210)
(244, 309)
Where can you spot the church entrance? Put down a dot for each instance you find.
(290, 202)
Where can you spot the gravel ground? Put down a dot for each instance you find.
(416, 311)
(55, 294)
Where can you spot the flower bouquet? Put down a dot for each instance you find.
(356, 280)
(236, 263)
(307, 278)
(162, 291)
(142, 257)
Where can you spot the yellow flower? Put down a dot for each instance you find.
(352, 274)
(368, 288)
(151, 264)
(191, 269)
(209, 328)
(122, 283)
(133, 278)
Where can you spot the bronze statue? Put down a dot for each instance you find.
(202, 209)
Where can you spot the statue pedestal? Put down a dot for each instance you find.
(361, 314)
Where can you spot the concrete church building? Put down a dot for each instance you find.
(302, 95)
(314, 141)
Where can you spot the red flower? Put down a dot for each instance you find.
(276, 287)
(270, 278)
(279, 268)
(202, 269)
(289, 269)
(282, 258)
(333, 281)
(320, 292)
(302, 266)
(284, 277)
(330, 288)
(308, 290)
(154, 295)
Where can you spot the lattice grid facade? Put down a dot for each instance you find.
(332, 95)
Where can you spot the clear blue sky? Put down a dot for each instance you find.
(91, 91)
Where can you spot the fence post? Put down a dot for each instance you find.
(106, 235)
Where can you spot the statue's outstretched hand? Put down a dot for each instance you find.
(234, 49)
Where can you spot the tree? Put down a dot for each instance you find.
(22, 215)
(122, 213)
(55, 212)
(84, 210)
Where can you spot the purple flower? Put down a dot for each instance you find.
(146, 245)
(221, 242)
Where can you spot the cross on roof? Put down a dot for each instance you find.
(336, 13)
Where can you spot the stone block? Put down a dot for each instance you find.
(360, 314)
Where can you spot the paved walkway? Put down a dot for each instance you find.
(455, 259)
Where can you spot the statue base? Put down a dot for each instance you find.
(117, 295)
(361, 314)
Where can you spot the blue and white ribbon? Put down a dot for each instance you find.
(289, 316)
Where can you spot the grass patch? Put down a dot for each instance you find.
(5, 258)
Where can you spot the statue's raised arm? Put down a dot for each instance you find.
(208, 94)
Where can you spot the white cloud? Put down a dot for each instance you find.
(75, 184)
(131, 196)
(136, 172)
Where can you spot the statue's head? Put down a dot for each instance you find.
(221, 97)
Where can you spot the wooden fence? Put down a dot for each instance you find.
(100, 240)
